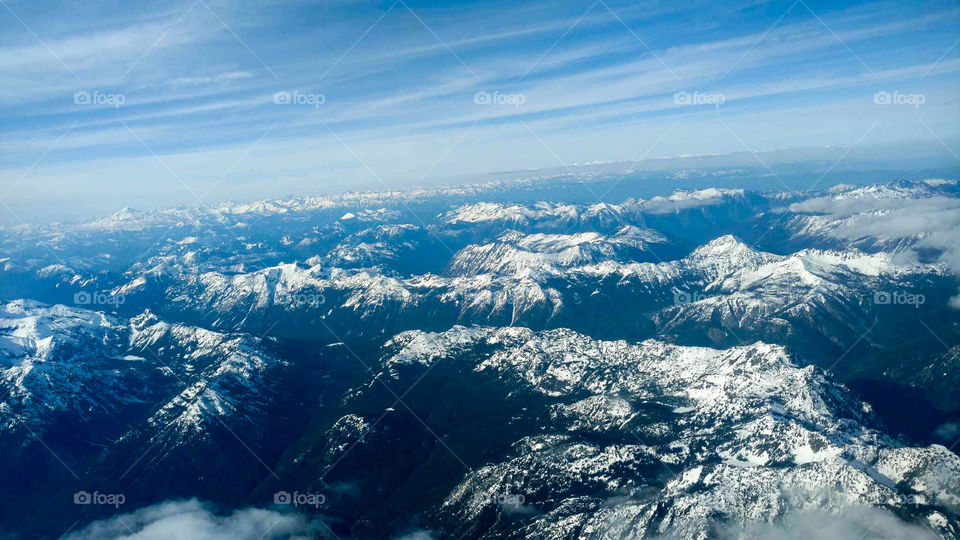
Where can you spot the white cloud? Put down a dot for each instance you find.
(932, 222)
(195, 520)
(854, 522)
(210, 79)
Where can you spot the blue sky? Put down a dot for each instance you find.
(182, 94)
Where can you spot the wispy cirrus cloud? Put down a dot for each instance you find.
(398, 84)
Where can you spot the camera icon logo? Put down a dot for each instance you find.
(282, 497)
(82, 497)
(81, 98)
(682, 297)
(681, 98)
(482, 98)
(281, 98)
(881, 298)
(882, 98)
(82, 298)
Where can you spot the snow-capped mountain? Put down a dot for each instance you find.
(123, 398)
(820, 302)
(61, 360)
(517, 253)
(493, 361)
(633, 440)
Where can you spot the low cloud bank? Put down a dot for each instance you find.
(854, 522)
(932, 223)
(196, 520)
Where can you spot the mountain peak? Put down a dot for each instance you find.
(724, 246)
(727, 254)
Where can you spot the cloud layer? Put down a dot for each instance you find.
(195, 520)
(399, 82)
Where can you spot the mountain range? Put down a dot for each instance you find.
(476, 362)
